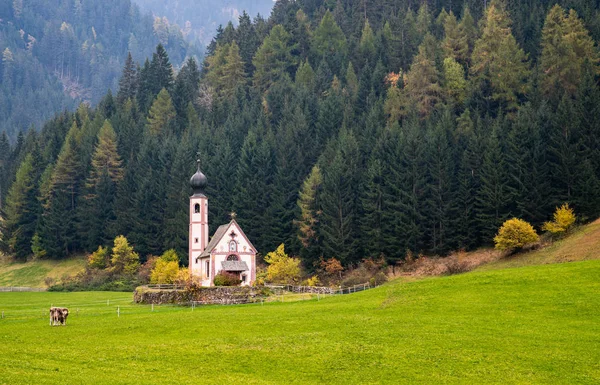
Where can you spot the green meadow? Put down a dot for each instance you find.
(527, 325)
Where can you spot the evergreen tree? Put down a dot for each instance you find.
(96, 212)
(128, 83)
(22, 210)
(309, 217)
(339, 201)
(494, 196)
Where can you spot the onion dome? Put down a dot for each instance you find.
(198, 181)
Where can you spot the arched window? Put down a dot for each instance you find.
(197, 208)
(232, 245)
(232, 257)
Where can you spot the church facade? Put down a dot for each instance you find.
(229, 250)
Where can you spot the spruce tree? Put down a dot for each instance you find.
(128, 83)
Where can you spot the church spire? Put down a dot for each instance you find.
(198, 181)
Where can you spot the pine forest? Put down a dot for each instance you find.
(343, 129)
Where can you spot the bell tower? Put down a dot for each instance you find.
(198, 238)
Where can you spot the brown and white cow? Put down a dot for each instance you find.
(58, 315)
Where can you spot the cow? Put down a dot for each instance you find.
(58, 315)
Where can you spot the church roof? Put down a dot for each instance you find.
(234, 266)
(219, 234)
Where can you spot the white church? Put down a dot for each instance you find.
(228, 250)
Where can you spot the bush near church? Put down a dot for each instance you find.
(514, 234)
(226, 279)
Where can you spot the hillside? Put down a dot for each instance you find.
(583, 244)
(534, 324)
(399, 130)
(56, 55)
(38, 273)
(200, 20)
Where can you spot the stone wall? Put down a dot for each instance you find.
(206, 295)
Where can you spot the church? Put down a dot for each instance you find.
(228, 250)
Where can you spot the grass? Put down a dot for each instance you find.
(529, 325)
(33, 274)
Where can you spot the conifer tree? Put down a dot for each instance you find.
(59, 224)
(305, 76)
(273, 58)
(339, 200)
(366, 47)
(455, 43)
(128, 82)
(422, 81)
(162, 113)
(499, 67)
(186, 90)
(96, 212)
(494, 196)
(329, 43)
(161, 71)
(253, 193)
(22, 210)
(309, 217)
(566, 45)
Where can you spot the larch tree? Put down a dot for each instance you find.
(161, 113)
(499, 67)
(422, 80)
(273, 58)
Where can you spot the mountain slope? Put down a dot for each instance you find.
(55, 56)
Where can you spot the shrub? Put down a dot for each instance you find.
(332, 267)
(282, 268)
(99, 258)
(564, 218)
(170, 256)
(312, 281)
(514, 234)
(224, 278)
(164, 271)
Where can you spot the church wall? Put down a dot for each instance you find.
(244, 251)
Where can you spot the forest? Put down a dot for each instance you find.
(346, 129)
(57, 54)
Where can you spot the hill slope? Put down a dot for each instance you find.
(55, 56)
(582, 245)
(34, 274)
(528, 325)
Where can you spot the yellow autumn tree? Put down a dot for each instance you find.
(282, 268)
(564, 218)
(166, 269)
(514, 234)
(124, 259)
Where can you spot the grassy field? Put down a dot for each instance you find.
(33, 274)
(529, 325)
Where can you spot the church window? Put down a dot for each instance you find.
(208, 268)
(195, 240)
(232, 257)
(232, 245)
(244, 278)
(196, 208)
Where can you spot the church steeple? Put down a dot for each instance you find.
(198, 181)
(198, 222)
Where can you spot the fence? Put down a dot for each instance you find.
(321, 289)
(17, 288)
